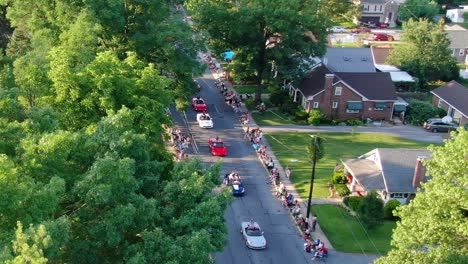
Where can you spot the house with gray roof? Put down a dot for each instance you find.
(453, 98)
(375, 11)
(392, 173)
(458, 37)
(349, 60)
(346, 95)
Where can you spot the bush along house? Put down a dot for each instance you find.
(347, 95)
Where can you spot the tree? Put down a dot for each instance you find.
(426, 54)
(29, 246)
(416, 9)
(370, 210)
(433, 226)
(273, 37)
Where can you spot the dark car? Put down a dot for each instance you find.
(383, 37)
(437, 125)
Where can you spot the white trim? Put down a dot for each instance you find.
(335, 105)
(315, 105)
(350, 87)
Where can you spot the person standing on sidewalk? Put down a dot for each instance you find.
(314, 222)
(288, 172)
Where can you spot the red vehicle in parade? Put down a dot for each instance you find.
(199, 104)
(217, 147)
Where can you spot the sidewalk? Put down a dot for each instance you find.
(318, 233)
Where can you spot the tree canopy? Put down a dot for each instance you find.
(85, 176)
(433, 226)
(273, 37)
(425, 53)
(416, 9)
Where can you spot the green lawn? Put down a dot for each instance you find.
(347, 235)
(250, 89)
(272, 118)
(290, 149)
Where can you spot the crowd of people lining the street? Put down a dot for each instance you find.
(180, 142)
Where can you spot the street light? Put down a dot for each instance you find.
(314, 151)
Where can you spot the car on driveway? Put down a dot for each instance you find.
(253, 235)
(204, 120)
(361, 30)
(438, 125)
(383, 37)
(337, 29)
(382, 25)
(217, 147)
(199, 104)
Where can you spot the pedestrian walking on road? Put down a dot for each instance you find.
(314, 222)
(288, 172)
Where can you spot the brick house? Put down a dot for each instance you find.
(453, 98)
(392, 173)
(347, 95)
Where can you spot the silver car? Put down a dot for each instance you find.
(253, 235)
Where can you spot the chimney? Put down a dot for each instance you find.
(327, 95)
(419, 172)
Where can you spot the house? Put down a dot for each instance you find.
(453, 98)
(380, 56)
(456, 14)
(458, 37)
(346, 95)
(349, 60)
(392, 173)
(375, 11)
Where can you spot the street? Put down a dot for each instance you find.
(284, 243)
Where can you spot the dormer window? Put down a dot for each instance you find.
(338, 90)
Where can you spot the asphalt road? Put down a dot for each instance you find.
(284, 244)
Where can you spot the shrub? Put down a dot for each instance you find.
(338, 177)
(419, 111)
(346, 200)
(354, 202)
(278, 96)
(389, 208)
(370, 211)
(288, 107)
(315, 117)
(441, 112)
(342, 190)
(301, 114)
(354, 122)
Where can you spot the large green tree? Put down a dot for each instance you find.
(272, 36)
(417, 9)
(425, 53)
(434, 226)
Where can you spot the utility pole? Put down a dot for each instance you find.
(314, 162)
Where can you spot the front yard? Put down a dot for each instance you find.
(347, 235)
(272, 118)
(290, 149)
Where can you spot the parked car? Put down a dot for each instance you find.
(361, 30)
(383, 37)
(437, 125)
(337, 29)
(382, 25)
(253, 235)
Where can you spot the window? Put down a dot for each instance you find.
(461, 52)
(397, 195)
(439, 104)
(353, 107)
(338, 90)
(316, 104)
(335, 105)
(380, 106)
(380, 8)
(375, 8)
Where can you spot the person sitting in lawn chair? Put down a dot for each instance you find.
(289, 200)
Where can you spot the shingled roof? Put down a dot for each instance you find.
(314, 83)
(454, 94)
(372, 85)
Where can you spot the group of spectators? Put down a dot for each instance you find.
(316, 247)
(180, 142)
